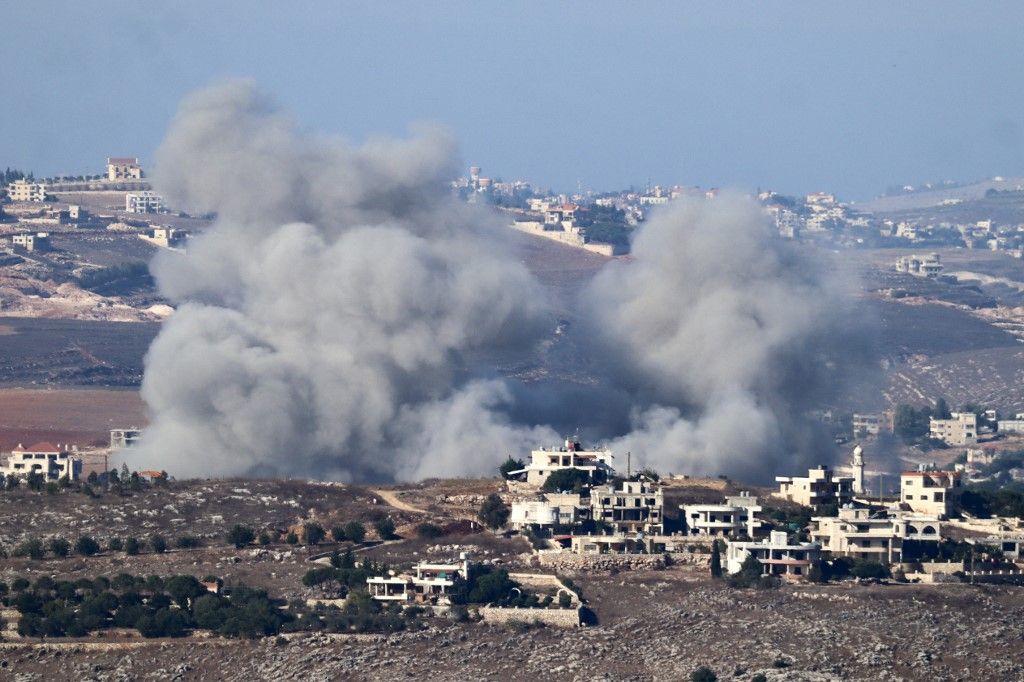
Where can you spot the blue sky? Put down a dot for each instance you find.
(847, 97)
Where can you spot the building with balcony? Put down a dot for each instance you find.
(820, 487)
(596, 463)
(778, 556)
(929, 266)
(927, 491)
(736, 517)
(429, 583)
(124, 438)
(636, 506)
(864, 534)
(143, 202)
(51, 461)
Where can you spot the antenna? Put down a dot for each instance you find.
(629, 464)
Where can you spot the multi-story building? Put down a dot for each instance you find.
(866, 424)
(32, 241)
(820, 487)
(52, 462)
(24, 190)
(596, 463)
(736, 517)
(863, 534)
(778, 556)
(927, 491)
(637, 506)
(124, 438)
(960, 429)
(123, 168)
(143, 202)
(429, 583)
(553, 509)
(929, 266)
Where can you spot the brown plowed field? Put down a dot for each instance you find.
(78, 416)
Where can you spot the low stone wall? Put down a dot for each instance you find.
(558, 618)
(599, 562)
(544, 581)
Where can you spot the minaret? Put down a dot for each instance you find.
(858, 470)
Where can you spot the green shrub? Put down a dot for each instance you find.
(86, 546)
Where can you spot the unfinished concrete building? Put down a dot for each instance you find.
(820, 487)
(637, 506)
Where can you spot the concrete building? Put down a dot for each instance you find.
(820, 487)
(167, 237)
(24, 190)
(429, 583)
(863, 534)
(928, 491)
(143, 202)
(866, 425)
(778, 556)
(552, 509)
(1010, 425)
(543, 462)
(929, 266)
(736, 517)
(124, 438)
(960, 429)
(123, 168)
(52, 461)
(637, 506)
(32, 241)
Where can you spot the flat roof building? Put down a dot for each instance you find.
(778, 556)
(960, 429)
(143, 202)
(123, 168)
(864, 534)
(928, 491)
(820, 487)
(736, 517)
(51, 461)
(636, 506)
(596, 463)
(24, 190)
(32, 241)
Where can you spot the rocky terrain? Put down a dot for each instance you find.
(646, 623)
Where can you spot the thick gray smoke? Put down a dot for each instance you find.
(724, 335)
(331, 321)
(322, 320)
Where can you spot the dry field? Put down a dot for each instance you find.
(66, 415)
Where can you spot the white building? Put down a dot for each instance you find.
(636, 506)
(1011, 425)
(864, 534)
(53, 462)
(552, 509)
(596, 463)
(927, 491)
(820, 487)
(737, 516)
(858, 470)
(929, 266)
(960, 429)
(143, 202)
(866, 424)
(778, 556)
(429, 583)
(123, 168)
(32, 241)
(23, 190)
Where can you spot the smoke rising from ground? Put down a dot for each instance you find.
(725, 335)
(321, 319)
(331, 321)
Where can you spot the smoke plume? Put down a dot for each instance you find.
(323, 319)
(341, 316)
(724, 335)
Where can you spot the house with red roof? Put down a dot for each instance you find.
(53, 462)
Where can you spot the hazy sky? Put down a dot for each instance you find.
(848, 97)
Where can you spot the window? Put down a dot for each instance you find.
(924, 497)
(909, 497)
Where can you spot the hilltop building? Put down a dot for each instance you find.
(636, 506)
(52, 461)
(820, 487)
(778, 556)
(553, 509)
(927, 491)
(123, 168)
(736, 517)
(543, 462)
(960, 429)
(124, 438)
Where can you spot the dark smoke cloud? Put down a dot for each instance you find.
(322, 317)
(337, 319)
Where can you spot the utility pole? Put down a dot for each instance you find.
(629, 464)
